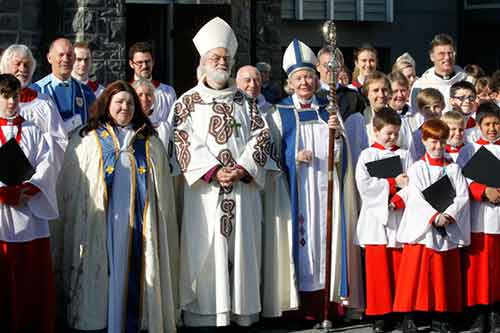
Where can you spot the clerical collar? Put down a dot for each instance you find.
(436, 161)
(445, 77)
(483, 142)
(381, 147)
(56, 81)
(12, 121)
(453, 149)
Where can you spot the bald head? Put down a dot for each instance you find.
(61, 57)
(249, 80)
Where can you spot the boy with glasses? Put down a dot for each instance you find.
(463, 99)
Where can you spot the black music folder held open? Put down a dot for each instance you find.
(440, 195)
(385, 168)
(483, 168)
(15, 167)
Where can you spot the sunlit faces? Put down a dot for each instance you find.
(433, 111)
(249, 81)
(399, 96)
(378, 94)
(457, 129)
(218, 59)
(464, 100)
(304, 83)
(443, 57)
(121, 108)
(146, 98)
(21, 68)
(142, 63)
(434, 147)
(322, 66)
(9, 105)
(366, 62)
(82, 63)
(409, 73)
(61, 58)
(490, 128)
(387, 136)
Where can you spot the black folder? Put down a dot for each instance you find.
(385, 168)
(440, 195)
(15, 167)
(483, 168)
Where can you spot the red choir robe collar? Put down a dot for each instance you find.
(451, 149)
(379, 146)
(440, 161)
(355, 83)
(483, 142)
(16, 121)
(27, 95)
(471, 122)
(93, 85)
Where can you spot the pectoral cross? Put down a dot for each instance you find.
(235, 126)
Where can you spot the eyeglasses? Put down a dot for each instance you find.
(215, 58)
(465, 98)
(142, 62)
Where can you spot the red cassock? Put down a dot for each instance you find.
(481, 264)
(381, 267)
(429, 280)
(27, 296)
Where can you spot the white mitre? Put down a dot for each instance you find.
(298, 56)
(216, 33)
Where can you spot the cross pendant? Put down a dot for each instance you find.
(235, 126)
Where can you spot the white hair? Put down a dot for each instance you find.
(142, 82)
(20, 50)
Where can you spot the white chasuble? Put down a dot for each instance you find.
(221, 227)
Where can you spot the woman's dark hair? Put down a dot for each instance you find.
(99, 111)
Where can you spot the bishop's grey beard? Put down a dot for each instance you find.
(219, 77)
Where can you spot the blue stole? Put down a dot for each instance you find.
(110, 147)
(80, 99)
(289, 138)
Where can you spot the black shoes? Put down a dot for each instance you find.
(379, 326)
(442, 327)
(479, 325)
(408, 325)
(494, 319)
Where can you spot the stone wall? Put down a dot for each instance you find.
(102, 24)
(20, 24)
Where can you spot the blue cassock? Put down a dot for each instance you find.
(79, 101)
(290, 125)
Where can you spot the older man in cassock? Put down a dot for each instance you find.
(279, 290)
(72, 98)
(223, 148)
(304, 125)
(36, 107)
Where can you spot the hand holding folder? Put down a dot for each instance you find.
(385, 168)
(440, 196)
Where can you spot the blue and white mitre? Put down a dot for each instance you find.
(298, 56)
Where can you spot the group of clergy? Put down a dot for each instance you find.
(146, 211)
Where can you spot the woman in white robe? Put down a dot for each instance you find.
(119, 256)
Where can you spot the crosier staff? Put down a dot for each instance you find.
(330, 35)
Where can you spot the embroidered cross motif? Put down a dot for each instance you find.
(235, 126)
(142, 170)
(104, 134)
(109, 169)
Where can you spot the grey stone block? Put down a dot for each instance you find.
(9, 22)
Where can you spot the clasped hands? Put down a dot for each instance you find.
(492, 195)
(306, 156)
(227, 176)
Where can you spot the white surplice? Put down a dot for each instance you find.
(376, 223)
(221, 228)
(30, 221)
(416, 224)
